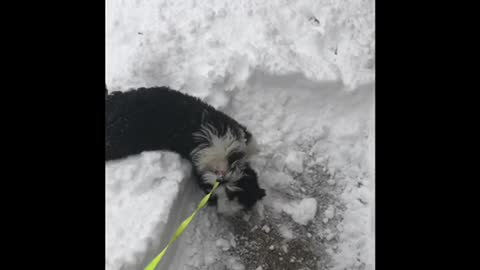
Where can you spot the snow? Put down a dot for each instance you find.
(233, 243)
(294, 161)
(277, 180)
(278, 161)
(285, 232)
(327, 234)
(140, 188)
(223, 244)
(301, 211)
(330, 212)
(204, 46)
(234, 264)
(300, 75)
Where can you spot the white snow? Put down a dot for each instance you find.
(233, 243)
(330, 212)
(223, 244)
(234, 264)
(285, 232)
(277, 180)
(141, 188)
(301, 211)
(205, 47)
(278, 162)
(294, 161)
(327, 234)
(303, 86)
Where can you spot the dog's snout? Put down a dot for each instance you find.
(220, 173)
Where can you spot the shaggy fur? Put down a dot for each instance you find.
(150, 119)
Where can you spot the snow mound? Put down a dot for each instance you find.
(285, 232)
(140, 192)
(301, 211)
(204, 47)
(294, 161)
(330, 212)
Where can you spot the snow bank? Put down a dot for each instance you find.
(141, 192)
(208, 48)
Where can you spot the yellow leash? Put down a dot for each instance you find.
(153, 264)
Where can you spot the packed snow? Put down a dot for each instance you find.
(285, 232)
(294, 161)
(300, 75)
(150, 179)
(302, 211)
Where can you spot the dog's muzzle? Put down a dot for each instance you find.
(221, 179)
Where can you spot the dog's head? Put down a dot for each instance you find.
(246, 190)
(243, 194)
(222, 152)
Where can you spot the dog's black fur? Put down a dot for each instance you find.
(159, 118)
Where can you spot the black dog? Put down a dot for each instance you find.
(150, 119)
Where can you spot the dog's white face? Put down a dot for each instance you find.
(221, 156)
